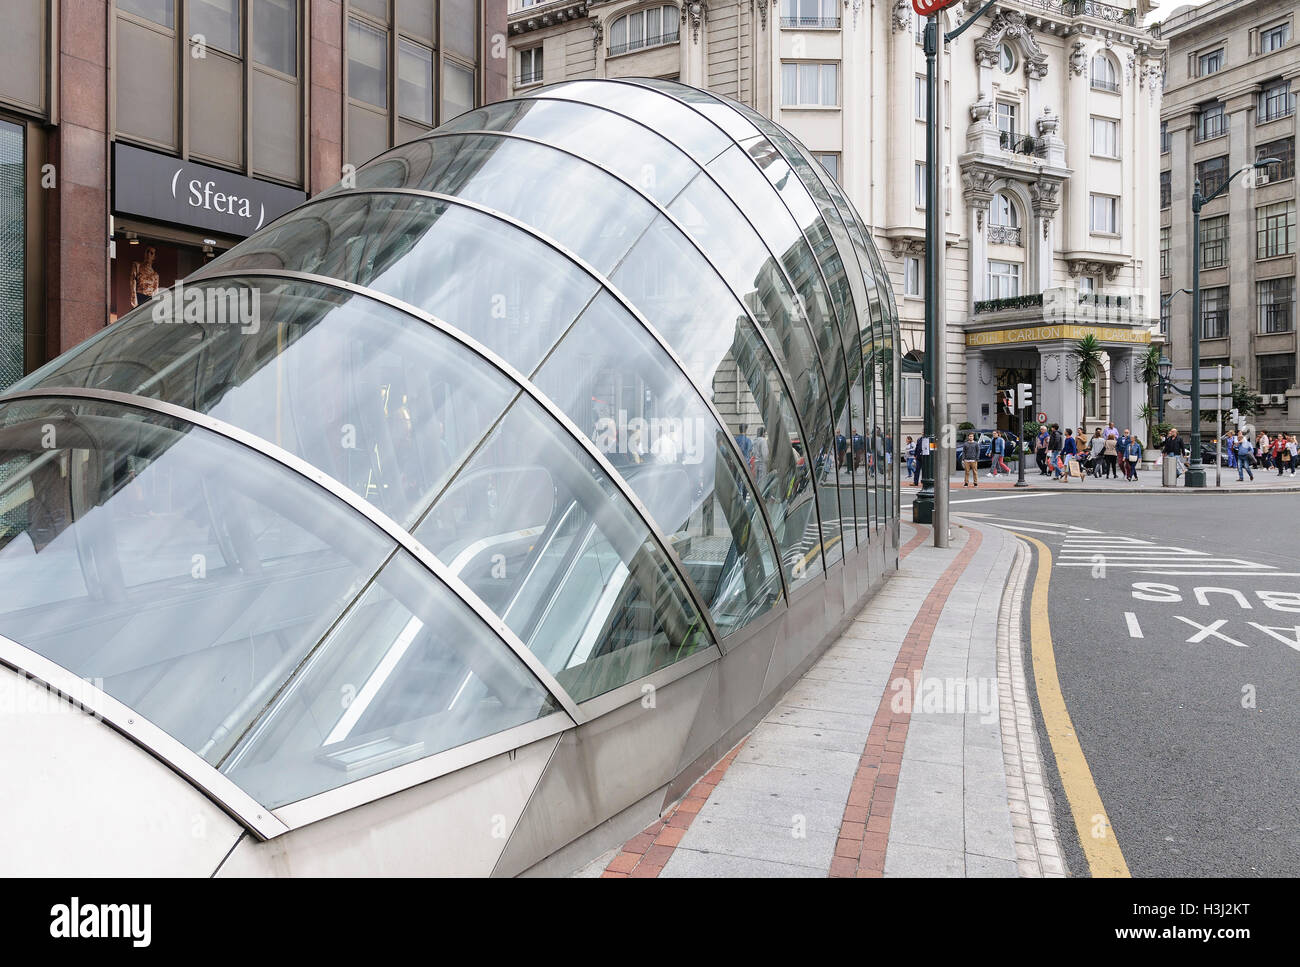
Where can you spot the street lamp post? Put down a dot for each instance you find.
(1195, 470)
(1163, 369)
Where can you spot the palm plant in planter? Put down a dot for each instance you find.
(1087, 352)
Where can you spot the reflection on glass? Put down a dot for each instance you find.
(632, 151)
(376, 399)
(565, 198)
(491, 281)
(184, 574)
(620, 388)
(687, 304)
(537, 530)
(423, 673)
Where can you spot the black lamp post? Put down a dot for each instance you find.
(1164, 368)
(1195, 470)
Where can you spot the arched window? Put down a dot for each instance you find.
(1003, 212)
(1105, 74)
(652, 27)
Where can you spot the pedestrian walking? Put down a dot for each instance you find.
(1054, 445)
(1175, 448)
(996, 462)
(759, 455)
(1069, 448)
(922, 451)
(1097, 447)
(1110, 456)
(1040, 450)
(744, 442)
(1245, 456)
(1122, 450)
(1133, 456)
(970, 458)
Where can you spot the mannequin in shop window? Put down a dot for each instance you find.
(144, 278)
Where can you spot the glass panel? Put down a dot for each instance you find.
(518, 297)
(536, 528)
(415, 17)
(692, 133)
(13, 252)
(184, 574)
(374, 398)
(217, 21)
(275, 35)
(634, 152)
(457, 89)
(491, 171)
(424, 674)
(159, 11)
(415, 81)
(688, 304)
(621, 389)
(367, 64)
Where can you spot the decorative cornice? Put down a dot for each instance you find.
(549, 18)
(597, 32)
(1085, 266)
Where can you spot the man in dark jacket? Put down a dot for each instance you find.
(970, 459)
(1174, 447)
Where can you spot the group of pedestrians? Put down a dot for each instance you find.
(1281, 453)
(1108, 453)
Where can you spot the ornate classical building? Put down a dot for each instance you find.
(1051, 151)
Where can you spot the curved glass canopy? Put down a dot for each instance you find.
(575, 388)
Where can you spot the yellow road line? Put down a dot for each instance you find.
(1096, 835)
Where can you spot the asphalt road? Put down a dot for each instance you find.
(1192, 730)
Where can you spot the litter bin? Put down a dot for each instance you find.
(1169, 470)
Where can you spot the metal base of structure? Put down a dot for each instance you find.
(1194, 477)
(923, 509)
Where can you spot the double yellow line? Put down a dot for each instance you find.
(1096, 835)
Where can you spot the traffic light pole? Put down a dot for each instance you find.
(1020, 432)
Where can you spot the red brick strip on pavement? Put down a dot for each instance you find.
(646, 854)
(864, 830)
(922, 535)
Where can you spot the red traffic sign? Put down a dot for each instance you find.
(1042, 417)
(927, 7)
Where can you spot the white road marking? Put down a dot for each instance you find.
(982, 500)
(1134, 629)
(1207, 630)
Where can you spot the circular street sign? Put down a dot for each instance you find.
(927, 7)
(1042, 417)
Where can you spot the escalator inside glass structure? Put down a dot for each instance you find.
(480, 500)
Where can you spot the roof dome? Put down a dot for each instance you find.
(579, 388)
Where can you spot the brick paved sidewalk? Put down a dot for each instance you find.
(1148, 482)
(886, 758)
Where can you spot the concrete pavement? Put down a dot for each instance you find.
(907, 749)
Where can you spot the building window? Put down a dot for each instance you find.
(1008, 119)
(1164, 252)
(1166, 190)
(1211, 122)
(823, 14)
(1166, 142)
(1007, 59)
(1276, 373)
(1214, 313)
(922, 110)
(1003, 212)
(13, 242)
(530, 66)
(1214, 242)
(1274, 38)
(1210, 63)
(367, 64)
(275, 35)
(645, 28)
(1105, 137)
(1283, 150)
(1105, 75)
(1276, 101)
(1164, 314)
(161, 12)
(1105, 214)
(1275, 230)
(913, 401)
(1004, 279)
(918, 28)
(830, 160)
(918, 172)
(1275, 299)
(1212, 173)
(911, 275)
(810, 85)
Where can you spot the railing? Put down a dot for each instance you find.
(1275, 318)
(1214, 325)
(528, 77)
(1216, 128)
(812, 23)
(1034, 301)
(1088, 8)
(657, 41)
(1102, 300)
(1004, 235)
(1010, 141)
(1101, 84)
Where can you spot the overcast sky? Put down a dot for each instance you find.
(1167, 7)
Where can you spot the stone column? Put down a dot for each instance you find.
(1077, 146)
(978, 392)
(1060, 389)
(1126, 394)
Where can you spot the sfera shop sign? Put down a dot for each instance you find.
(187, 193)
